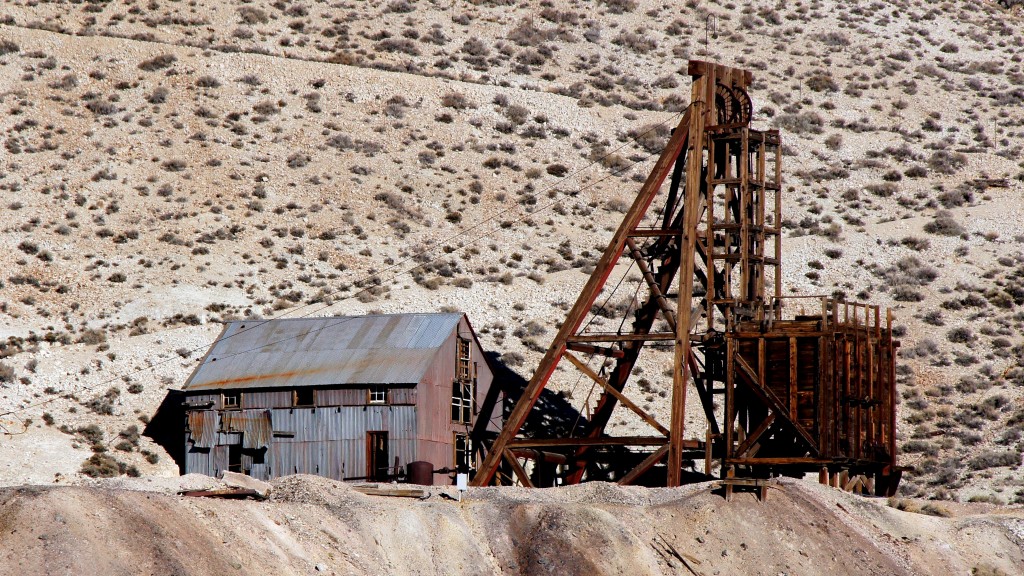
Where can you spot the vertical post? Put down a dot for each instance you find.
(778, 218)
(793, 376)
(729, 415)
(688, 246)
(744, 165)
(709, 233)
(707, 452)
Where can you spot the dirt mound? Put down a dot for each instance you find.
(312, 525)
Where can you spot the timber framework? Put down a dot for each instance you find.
(786, 386)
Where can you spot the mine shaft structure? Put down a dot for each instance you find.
(787, 386)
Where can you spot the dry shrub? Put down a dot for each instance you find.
(158, 62)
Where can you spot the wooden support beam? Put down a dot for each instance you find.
(652, 284)
(582, 366)
(517, 468)
(644, 466)
(580, 310)
(602, 441)
(702, 87)
(771, 400)
(599, 350)
(625, 337)
(745, 447)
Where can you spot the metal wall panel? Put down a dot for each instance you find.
(435, 390)
(403, 396)
(331, 441)
(341, 397)
(199, 461)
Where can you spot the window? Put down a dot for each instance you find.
(462, 386)
(463, 367)
(378, 395)
(463, 453)
(304, 397)
(230, 401)
(462, 402)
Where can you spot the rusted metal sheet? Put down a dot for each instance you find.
(254, 426)
(202, 426)
(383, 349)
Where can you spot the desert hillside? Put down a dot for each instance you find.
(170, 165)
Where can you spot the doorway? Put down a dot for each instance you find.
(377, 456)
(235, 458)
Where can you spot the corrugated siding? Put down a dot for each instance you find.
(202, 427)
(435, 396)
(330, 442)
(384, 349)
(267, 399)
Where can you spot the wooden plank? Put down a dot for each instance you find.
(582, 366)
(740, 78)
(708, 445)
(655, 233)
(393, 492)
(729, 413)
(228, 493)
(744, 189)
(778, 461)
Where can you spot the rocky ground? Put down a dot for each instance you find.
(170, 165)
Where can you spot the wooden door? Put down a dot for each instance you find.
(377, 455)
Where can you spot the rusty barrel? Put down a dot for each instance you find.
(421, 473)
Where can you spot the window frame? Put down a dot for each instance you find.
(463, 358)
(462, 402)
(378, 395)
(224, 401)
(312, 398)
(466, 451)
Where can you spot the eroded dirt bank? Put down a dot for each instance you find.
(311, 525)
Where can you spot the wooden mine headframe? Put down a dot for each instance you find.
(814, 392)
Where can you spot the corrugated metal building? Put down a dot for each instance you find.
(353, 397)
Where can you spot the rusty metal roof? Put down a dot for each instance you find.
(381, 349)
